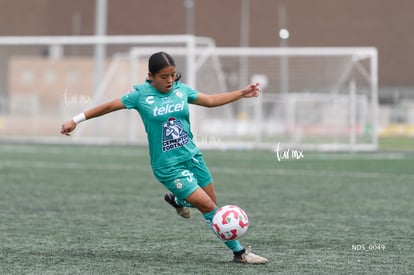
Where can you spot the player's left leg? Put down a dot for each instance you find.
(204, 199)
(207, 196)
(203, 202)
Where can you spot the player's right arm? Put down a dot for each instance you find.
(97, 111)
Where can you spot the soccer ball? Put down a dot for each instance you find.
(230, 222)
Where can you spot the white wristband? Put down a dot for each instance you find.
(79, 118)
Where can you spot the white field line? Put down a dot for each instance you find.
(215, 169)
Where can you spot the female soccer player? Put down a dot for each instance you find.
(162, 102)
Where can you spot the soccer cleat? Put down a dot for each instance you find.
(184, 212)
(249, 257)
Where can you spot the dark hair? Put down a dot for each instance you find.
(159, 61)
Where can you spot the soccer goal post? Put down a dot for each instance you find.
(312, 98)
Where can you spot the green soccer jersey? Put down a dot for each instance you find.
(167, 121)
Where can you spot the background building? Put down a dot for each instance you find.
(380, 23)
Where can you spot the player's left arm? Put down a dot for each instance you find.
(214, 100)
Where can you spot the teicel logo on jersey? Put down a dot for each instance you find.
(173, 134)
(168, 109)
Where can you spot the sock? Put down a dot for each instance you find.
(234, 245)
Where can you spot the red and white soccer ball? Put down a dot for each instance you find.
(230, 222)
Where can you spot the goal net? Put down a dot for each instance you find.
(312, 98)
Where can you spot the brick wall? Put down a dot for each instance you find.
(381, 23)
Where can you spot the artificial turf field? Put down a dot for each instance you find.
(77, 209)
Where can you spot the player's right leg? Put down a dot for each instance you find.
(204, 203)
(182, 180)
(181, 183)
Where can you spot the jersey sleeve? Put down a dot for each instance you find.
(130, 99)
(191, 94)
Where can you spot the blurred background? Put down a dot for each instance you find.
(349, 87)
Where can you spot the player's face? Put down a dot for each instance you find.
(164, 79)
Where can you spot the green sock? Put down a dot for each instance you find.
(234, 245)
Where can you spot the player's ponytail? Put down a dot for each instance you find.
(159, 61)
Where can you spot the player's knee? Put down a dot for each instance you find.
(207, 207)
(201, 200)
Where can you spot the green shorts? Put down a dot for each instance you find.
(184, 178)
